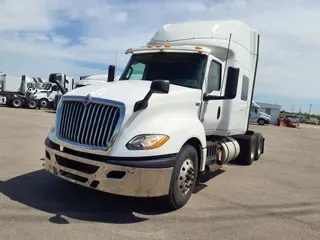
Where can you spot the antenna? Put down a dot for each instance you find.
(116, 59)
(225, 66)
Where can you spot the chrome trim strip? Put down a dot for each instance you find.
(84, 146)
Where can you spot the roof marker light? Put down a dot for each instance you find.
(128, 50)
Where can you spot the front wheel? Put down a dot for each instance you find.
(183, 178)
(261, 121)
(44, 103)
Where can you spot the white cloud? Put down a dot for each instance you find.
(30, 42)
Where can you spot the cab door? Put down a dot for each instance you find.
(211, 110)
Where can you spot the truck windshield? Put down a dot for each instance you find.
(183, 69)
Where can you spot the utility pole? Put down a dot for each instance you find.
(116, 60)
(310, 109)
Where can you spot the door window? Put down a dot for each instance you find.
(214, 77)
(245, 88)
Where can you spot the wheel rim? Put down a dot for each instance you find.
(261, 121)
(16, 102)
(186, 177)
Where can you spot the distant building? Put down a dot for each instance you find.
(272, 109)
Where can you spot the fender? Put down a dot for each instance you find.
(180, 123)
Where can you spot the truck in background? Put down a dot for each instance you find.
(93, 79)
(48, 91)
(258, 117)
(19, 84)
(16, 91)
(184, 113)
(84, 81)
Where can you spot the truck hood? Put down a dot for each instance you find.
(131, 91)
(264, 114)
(89, 82)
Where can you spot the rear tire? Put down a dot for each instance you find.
(32, 104)
(16, 103)
(183, 178)
(259, 146)
(248, 149)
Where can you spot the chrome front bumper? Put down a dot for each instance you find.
(111, 178)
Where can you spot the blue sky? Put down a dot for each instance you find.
(80, 37)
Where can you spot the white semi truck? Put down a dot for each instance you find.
(93, 79)
(47, 92)
(258, 117)
(19, 84)
(16, 91)
(154, 135)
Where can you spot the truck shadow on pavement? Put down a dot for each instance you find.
(44, 192)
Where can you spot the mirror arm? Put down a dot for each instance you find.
(157, 86)
(142, 104)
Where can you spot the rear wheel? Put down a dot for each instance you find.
(183, 178)
(32, 104)
(248, 150)
(259, 146)
(16, 103)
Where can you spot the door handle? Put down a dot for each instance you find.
(219, 112)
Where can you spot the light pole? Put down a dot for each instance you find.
(310, 109)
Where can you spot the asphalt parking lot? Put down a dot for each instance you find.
(278, 197)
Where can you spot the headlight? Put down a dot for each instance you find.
(147, 141)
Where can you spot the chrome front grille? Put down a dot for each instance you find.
(94, 124)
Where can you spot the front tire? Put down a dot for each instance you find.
(43, 103)
(183, 178)
(261, 121)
